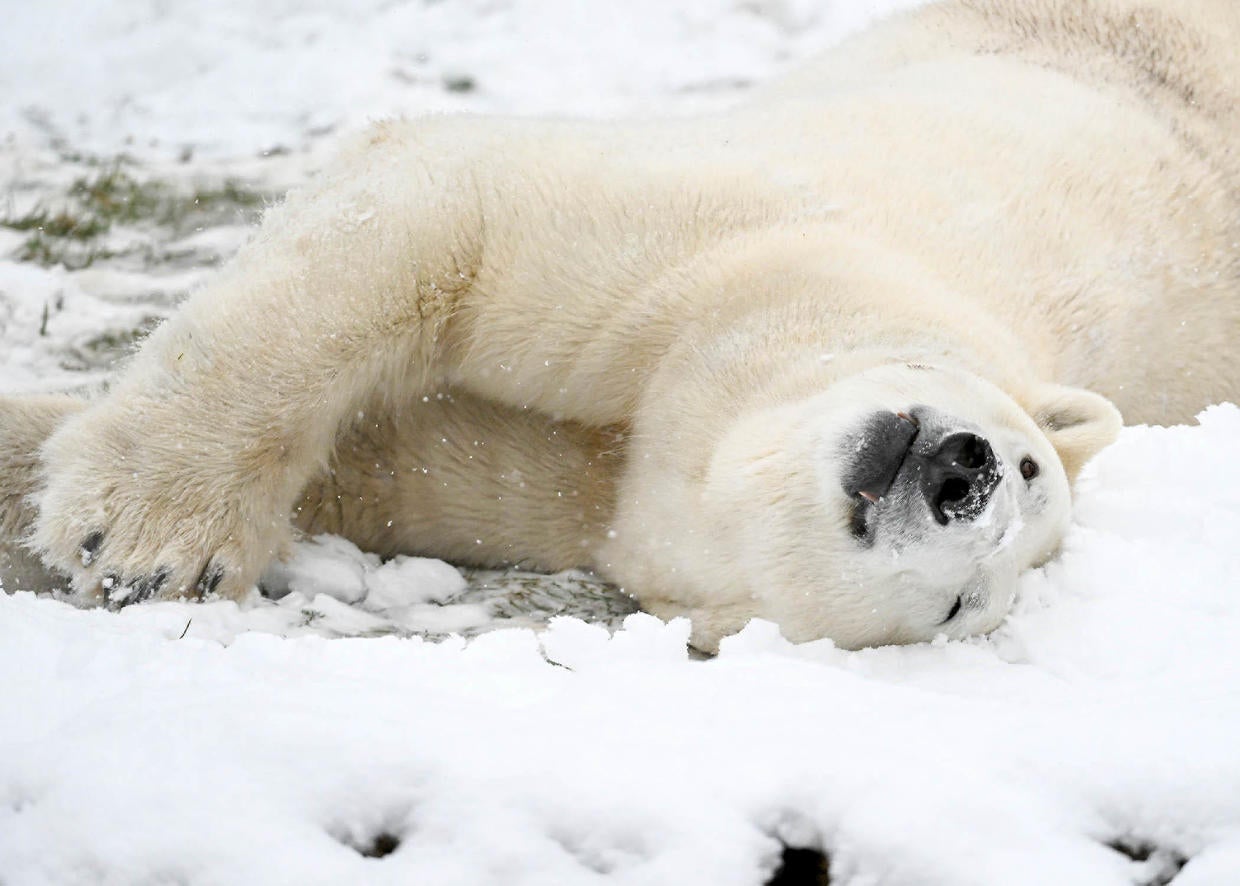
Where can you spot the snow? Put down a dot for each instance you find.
(334, 566)
(567, 740)
(218, 77)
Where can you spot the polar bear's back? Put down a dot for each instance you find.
(1068, 164)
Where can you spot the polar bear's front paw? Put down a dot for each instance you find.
(135, 508)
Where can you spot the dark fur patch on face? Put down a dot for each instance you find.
(874, 456)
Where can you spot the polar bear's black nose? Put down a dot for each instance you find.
(958, 479)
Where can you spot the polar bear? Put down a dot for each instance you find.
(831, 358)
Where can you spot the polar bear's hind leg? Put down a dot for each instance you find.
(25, 423)
(469, 480)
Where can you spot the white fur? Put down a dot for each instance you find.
(653, 335)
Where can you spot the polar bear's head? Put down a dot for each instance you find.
(899, 504)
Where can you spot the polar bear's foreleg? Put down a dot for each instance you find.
(180, 481)
(437, 252)
(449, 475)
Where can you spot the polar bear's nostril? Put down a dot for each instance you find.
(958, 479)
(954, 489)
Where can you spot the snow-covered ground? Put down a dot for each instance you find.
(335, 736)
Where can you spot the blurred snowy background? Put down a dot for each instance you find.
(1091, 740)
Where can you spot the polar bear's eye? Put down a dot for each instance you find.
(1028, 468)
(955, 609)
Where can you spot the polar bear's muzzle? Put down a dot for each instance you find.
(916, 462)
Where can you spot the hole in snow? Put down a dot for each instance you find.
(381, 844)
(801, 867)
(17, 801)
(1156, 866)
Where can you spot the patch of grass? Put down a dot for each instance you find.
(231, 193)
(115, 196)
(57, 224)
(37, 249)
(459, 83)
(48, 250)
(112, 196)
(117, 339)
(101, 351)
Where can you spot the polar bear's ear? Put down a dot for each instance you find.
(1079, 423)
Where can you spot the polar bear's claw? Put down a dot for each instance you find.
(118, 581)
(209, 579)
(131, 518)
(118, 594)
(89, 548)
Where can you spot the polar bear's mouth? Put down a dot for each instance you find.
(878, 455)
(900, 454)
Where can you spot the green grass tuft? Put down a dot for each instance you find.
(57, 224)
(113, 197)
